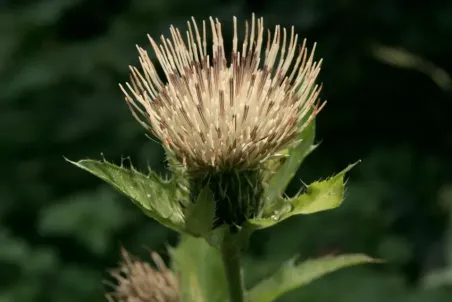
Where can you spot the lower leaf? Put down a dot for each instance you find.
(291, 275)
(200, 269)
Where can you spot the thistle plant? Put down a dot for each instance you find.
(236, 121)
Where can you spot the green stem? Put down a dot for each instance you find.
(230, 253)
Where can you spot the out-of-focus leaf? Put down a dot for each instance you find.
(438, 278)
(74, 280)
(14, 250)
(91, 218)
(291, 275)
(200, 269)
(404, 59)
(46, 12)
(157, 198)
(319, 196)
(281, 179)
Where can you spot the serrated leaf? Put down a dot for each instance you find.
(319, 196)
(281, 179)
(290, 275)
(200, 269)
(201, 214)
(155, 197)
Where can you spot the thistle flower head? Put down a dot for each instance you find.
(220, 114)
(140, 282)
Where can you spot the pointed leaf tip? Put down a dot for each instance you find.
(319, 196)
(284, 173)
(154, 196)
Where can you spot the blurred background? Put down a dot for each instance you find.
(385, 76)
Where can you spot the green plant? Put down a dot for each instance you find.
(234, 136)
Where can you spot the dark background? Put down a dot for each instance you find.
(61, 60)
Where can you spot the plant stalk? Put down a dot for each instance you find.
(230, 254)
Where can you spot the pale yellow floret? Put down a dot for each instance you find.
(215, 113)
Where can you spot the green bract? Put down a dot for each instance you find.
(171, 205)
(159, 199)
(283, 171)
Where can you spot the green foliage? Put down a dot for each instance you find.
(201, 215)
(91, 223)
(363, 285)
(438, 278)
(158, 199)
(33, 264)
(201, 270)
(291, 275)
(60, 62)
(319, 196)
(442, 277)
(203, 277)
(285, 172)
(155, 197)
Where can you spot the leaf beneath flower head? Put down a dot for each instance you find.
(155, 197)
(281, 179)
(291, 275)
(201, 214)
(201, 271)
(319, 196)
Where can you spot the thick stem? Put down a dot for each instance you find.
(230, 253)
